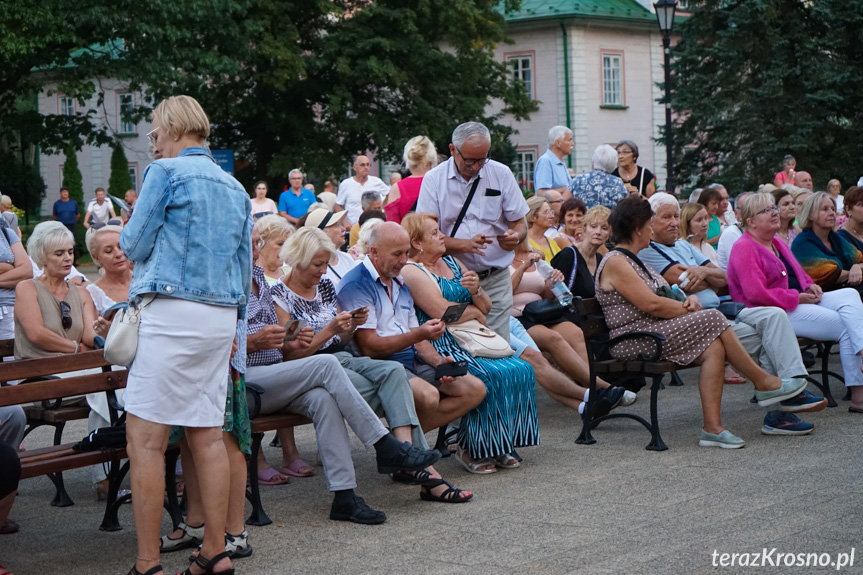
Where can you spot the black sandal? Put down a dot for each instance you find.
(421, 477)
(152, 571)
(451, 495)
(207, 565)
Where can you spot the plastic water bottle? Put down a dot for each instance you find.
(559, 289)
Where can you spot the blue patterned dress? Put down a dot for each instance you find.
(506, 418)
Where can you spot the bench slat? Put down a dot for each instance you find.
(66, 387)
(24, 368)
(277, 421)
(57, 458)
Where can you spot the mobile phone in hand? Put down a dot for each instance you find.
(359, 310)
(454, 312)
(293, 327)
(451, 369)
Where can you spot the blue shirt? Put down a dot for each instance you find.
(362, 286)
(598, 188)
(294, 205)
(550, 172)
(661, 257)
(66, 212)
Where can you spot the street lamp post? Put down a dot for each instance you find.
(665, 15)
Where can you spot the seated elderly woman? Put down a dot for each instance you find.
(305, 294)
(540, 218)
(506, 418)
(827, 257)
(333, 224)
(52, 317)
(368, 221)
(564, 340)
(601, 186)
(274, 231)
(578, 264)
(762, 271)
(570, 219)
(629, 295)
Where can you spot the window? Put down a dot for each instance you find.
(522, 71)
(127, 107)
(612, 79)
(133, 175)
(67, 106)
(524, 164)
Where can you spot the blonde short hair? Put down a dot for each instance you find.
(420, 153)
(302, 246)
(414, 224)
(596, 215)
(47, 237)
(177, 116)
(533, 206)
(810, 209)
(273, 226)
(6, 201)
(93, 235)
(754, 204)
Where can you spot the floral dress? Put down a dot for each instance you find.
(506, 418)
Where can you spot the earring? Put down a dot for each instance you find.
(421, 250)
(175, 139)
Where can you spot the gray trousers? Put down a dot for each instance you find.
(768, 337)
(12, 425)
(498, 285)
(386, 389)
(318, 388)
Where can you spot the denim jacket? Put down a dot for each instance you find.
(190, 235)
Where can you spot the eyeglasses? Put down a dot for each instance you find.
(65, 315)
(260, 244)
(548, 212)
(471, 162)
(555, 202)
(768, 210)
(100, 225)
(153, 136)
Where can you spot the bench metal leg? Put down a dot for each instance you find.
(118, 471)
(675, 380)
(61, 498)
(656, 443)
(585, 437)
(253, 494)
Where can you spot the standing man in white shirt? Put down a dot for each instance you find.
(100, 209)
(351, 189)
(550, 173)
(492, 223)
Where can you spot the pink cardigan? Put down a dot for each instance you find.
(757, 277)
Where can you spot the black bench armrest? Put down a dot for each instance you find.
(658, 338)
(253, 398)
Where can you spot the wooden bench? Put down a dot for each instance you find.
(53, 460)
(596, 336)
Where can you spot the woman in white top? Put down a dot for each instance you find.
(694, 221)
(261, 204)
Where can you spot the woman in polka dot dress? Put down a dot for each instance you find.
(628, 295)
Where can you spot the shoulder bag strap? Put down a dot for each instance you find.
(464, 207)
(634, 258)
(641, 182)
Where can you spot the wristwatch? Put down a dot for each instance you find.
(478, 292)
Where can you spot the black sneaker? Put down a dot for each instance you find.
(407, 458)
(609, 398)
(355, 509)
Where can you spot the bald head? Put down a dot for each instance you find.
(389, 245)
(362, 167)
(803, 180)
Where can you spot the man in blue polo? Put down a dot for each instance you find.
(550, 173)
(295, 201)
(66, 211)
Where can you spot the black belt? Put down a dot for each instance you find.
(485, 273)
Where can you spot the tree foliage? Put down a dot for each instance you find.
(758, 79)
(120, 180)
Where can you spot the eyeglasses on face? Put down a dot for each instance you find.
(65, 315)
(768, 210)
(153, 136)
(471, 162)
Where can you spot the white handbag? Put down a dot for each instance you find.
(479, 341)
(121, 343)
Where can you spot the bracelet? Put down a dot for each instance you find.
(77, 347)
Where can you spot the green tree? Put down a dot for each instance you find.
(75, 183)
(120, 180)
(758, 79)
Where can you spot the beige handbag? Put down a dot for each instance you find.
(479, 341)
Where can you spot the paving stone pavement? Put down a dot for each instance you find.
(610, 508)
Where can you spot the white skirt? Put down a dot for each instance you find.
(180, 372)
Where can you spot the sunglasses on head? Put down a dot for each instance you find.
(65, 315)
(100, 225)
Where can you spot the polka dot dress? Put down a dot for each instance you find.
(686, 337)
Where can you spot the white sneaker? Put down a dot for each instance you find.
(628, 398)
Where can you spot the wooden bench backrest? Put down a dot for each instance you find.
(7, 348)
(24, 368)
(592, 318)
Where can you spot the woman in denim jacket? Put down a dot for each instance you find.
(190, 239)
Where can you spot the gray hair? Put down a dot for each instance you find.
(302, 246)
(365, 234)
(631, 145)
(810, 209)
(660, 199)
(93, 234)
(367, 198)
(295, 171)
(696, 193)
(558, 133)
(273, 226)
(604, 158)
(47, 237)
(470, 131)
(741, 199)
